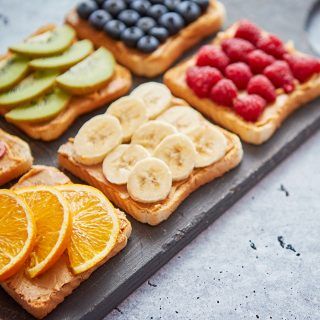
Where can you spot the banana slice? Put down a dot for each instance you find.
(119, 163)
(156, 96)
(184, 118)
(131, 112)
(210, 144)
(179, 153)
(96, 138)
(150, 181)
(150, 134)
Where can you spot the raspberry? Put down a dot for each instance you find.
(237, 49)
(248, 31)
(280, 75)
(271, 44)
(224, 92)
(258, 60)
(202, 79)
(263, 87)
(239, 73)
(249, 107)
(210, 55)
(302, 67)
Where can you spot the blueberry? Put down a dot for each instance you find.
(100, 2)
(148, 44)
(85, 8)
(172, 21)
(114, 7)
(99, 18)
(156, 1)
(141, 6)
(171, 4)
(130, 36)
(129, 17)
(156, 11)
(203, 4)
(189, 10)
(160, 33)
(146, 23)
(114, 28)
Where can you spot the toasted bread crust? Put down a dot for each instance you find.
(17, 160)
(39, 296)
(153, 64)
(251, 132)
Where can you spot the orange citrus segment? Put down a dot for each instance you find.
(53, 220)
(95, 226)
(17, 233)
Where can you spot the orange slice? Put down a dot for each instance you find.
(95, 226)
(53, 220)
(17, 233)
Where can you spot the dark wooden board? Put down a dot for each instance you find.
(151, 247)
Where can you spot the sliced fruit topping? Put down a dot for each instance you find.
(12, 69)
(210, 144)
(3, 149)
(150, 134)
(46, 44)
(17, 233)
(119, 163)
(263, 87)
(29, 88)
(53, 223)
(179, 153)
(89, 75)
(96, 138)
(239, 73)
(249, 107)
(131, 112)
(95, 226)
(210, 55)
(271, 44)
(302, 67)
(184, 118)
(43, 109)
(258, 60)
(237, 49)
(77, 52)
(150, 181)
(280, 75)
(248, 31)
(224, 92)
(156, 96)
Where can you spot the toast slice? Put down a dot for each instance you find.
(251, 132)
(157, 212)
(151, 65)
(119, 84)
(17, 159)
(39, 296)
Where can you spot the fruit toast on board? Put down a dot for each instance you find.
(146, 36)
(50, 79)
(66, 231)
(247, 80)
(149, 151)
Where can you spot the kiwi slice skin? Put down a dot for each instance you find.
(90, 74)
(74, 54)
(13, 68)
(45, 108)
(46, 44)
(29, 88)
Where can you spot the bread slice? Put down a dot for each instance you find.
(251, 132)
(17, 159)
(39, 296)
(119, 84)
(150, 65)
(153, 213)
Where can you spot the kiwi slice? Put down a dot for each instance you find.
(77, 52)
(12, 69)
(43, 109)
(46, 44)
(90, 74)
(29, 88)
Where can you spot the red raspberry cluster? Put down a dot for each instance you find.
(251, 61)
